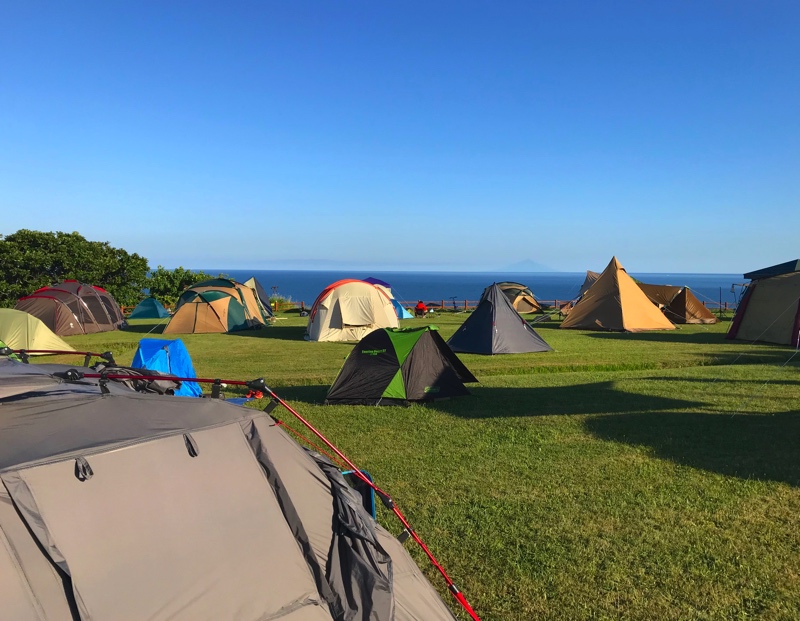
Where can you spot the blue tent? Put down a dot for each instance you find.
(149, 308)
(401, 312)
(168, 357)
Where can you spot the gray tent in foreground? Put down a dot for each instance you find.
(131, 506)
(495, 327)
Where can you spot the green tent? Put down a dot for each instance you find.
(149, 308)
(393, 366)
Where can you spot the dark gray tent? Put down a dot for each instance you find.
(130, 506)
(495, 327)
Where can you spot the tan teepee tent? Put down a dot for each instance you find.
(616, 303)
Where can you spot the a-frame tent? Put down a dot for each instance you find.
(395, 366)
(678, 304)
(770, 308)
(494, 327)
(616, 303)
(261, 295)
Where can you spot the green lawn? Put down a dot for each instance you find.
(622, 476)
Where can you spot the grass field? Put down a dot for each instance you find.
(644, 476)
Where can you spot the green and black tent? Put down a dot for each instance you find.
(393, 366)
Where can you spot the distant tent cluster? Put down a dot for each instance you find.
(770, 308)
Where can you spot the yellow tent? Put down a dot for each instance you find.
(21, 330)
(616, 303)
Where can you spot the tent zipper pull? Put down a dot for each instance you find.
(83, 471)
(191, 445)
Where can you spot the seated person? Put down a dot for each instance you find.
(420, 309)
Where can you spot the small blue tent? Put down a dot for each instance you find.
(401, 312)
(149, 308)
(168, 357)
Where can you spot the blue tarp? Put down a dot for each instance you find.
(149, 308)
(168, 356)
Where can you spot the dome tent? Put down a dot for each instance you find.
(71, 307)
(21, 330)
(149, 308)
(348, 310)
(520, 296)
(170, 357)
(216, 305)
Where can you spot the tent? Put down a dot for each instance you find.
(616, 303)
(217, 305)
(591, 278)
(520, 296)
(494, 327)
(170, 357)
(131, 506)
(348, 310)
(20, 330)
(393, 366)
(149, 308)
(261, 295)
(399, 310)
(770, 308)
(71, 307)
(678, 304)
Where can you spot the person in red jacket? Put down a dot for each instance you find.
(420, 309)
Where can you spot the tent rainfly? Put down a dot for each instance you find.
(770, 308)
(348, 310)
(217, 305)
(392, 366)
(170, 357)
(678, 304)
(494, 327)
(615, 303)
(71, 307)
(520, 296)
(149, 308)
(20, 330)
(131, 506)
(399, 310)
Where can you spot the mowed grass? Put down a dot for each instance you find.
(621, 476)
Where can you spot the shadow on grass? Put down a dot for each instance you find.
(145, 328)
(303, 394)
(762, 447)
(282, 333)
(596, 398)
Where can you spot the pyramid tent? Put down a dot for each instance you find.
(770, 308)
(149, 308)
(678, 304)
(616, 303)
(392, 366)
(348, 310)
(71, 307)
(170, 357)
(189, 509)
(20, 330)
(520, 296)
(494, 327)
(217, 305)
(261, 295)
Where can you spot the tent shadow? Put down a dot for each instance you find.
(595, 398)
(755, 446)
(283, 333)
(664, 336)
(145, 328)
(313, 395)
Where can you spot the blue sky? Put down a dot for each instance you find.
(407, 135)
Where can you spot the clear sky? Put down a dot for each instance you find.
(448, 135)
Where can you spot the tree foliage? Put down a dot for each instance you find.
(33, 259)
(167, 285)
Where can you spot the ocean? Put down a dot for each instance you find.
(304, 286)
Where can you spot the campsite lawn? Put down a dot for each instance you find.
(621, 476)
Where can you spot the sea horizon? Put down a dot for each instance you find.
(303, 285)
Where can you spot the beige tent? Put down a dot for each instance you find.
(520, 296)
(348, 310)
(129, 506)
(678, 304)
(770, 308)
(218, 305)
(616, 303)
(20, 330)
